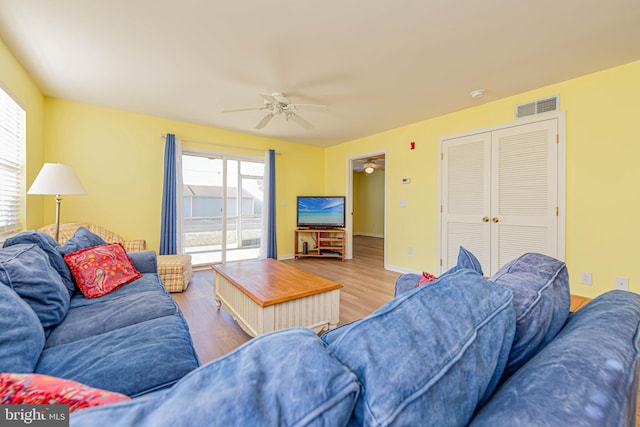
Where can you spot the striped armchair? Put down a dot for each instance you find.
(68, 229)
(174, 270)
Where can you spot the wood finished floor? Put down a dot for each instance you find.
(367, 286)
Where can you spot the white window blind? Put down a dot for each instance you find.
(12, 149)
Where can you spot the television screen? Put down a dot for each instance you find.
(321, 211)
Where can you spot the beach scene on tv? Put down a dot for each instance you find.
(321, 211)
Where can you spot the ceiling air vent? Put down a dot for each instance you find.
(537, 107)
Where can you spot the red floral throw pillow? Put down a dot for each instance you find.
(101, 269)
(37, 389)
(426, 278)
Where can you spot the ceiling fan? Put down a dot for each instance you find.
(278, 104)
(369, 165)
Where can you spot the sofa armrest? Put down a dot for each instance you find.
(405, 283)
(134, 245)
(586, 376)
(144, 261)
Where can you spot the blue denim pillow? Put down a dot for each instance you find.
(468, 260)
(587, 375)
(26, 269)
(541, 300)
(81, 239)
(50, 247)
(285, 378)
(21, 334)
(431, 356)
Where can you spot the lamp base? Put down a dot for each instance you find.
(58, 200)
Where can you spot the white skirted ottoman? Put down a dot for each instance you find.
(175, 271)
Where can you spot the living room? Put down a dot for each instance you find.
(113, 150)
(119, 155)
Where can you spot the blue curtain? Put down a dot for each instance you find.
(169, 223)
(271, 246)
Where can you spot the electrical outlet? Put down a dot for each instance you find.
(410, 250)
(586, 278)
(622, 283)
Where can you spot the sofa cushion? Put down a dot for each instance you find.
(132, 360)
(285, 378)
(432, 354)
(81, 239)
(144, 261)
(50, 247)
(26, 268)
(99, 270)
(110, 314)
(21, 333)
(541, 299)
(599, 341)
(37, 389)
(147, 283)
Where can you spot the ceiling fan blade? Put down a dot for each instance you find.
(278, 96)
(266, 119)
(268, 98)
(309, 107)
(233, 110)
(302, 122)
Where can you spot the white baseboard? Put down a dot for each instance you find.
(401, 269)
(380, 236)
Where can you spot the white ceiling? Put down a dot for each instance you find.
(377, 65)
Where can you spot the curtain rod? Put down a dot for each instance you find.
(220, 145)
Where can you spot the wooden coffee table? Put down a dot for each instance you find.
(267, 295)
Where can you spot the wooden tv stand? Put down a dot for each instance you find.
(328, 243)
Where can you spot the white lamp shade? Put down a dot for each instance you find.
(56, 178)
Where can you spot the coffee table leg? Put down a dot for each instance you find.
(215, 290)
(335, 309)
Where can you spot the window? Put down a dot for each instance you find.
(12, 148)
(223, 196)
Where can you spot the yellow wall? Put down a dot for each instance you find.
(368, 203)
(20, 85)
(119, 158)
(603, 153)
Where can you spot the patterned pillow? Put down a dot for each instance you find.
(37, 389)
(100, 270)
(426, 277)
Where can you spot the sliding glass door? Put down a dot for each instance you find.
(223, 197)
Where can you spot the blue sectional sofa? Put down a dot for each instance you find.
(462, 350)
(133, 340)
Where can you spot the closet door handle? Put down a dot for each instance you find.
(495, 219)
(485, 219)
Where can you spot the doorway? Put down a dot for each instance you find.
(366, 198)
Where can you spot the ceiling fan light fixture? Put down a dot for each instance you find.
(368, 168)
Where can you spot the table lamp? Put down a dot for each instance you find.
(58, 179)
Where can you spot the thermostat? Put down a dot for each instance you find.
(406, 180)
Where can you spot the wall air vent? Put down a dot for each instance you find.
(538, 107)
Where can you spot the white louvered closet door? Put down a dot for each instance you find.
(466, 201)
(524, 192)
(499, 194)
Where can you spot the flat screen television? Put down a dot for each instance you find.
(320, 212)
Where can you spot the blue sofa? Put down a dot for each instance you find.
(134, 340)
(462, 350)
